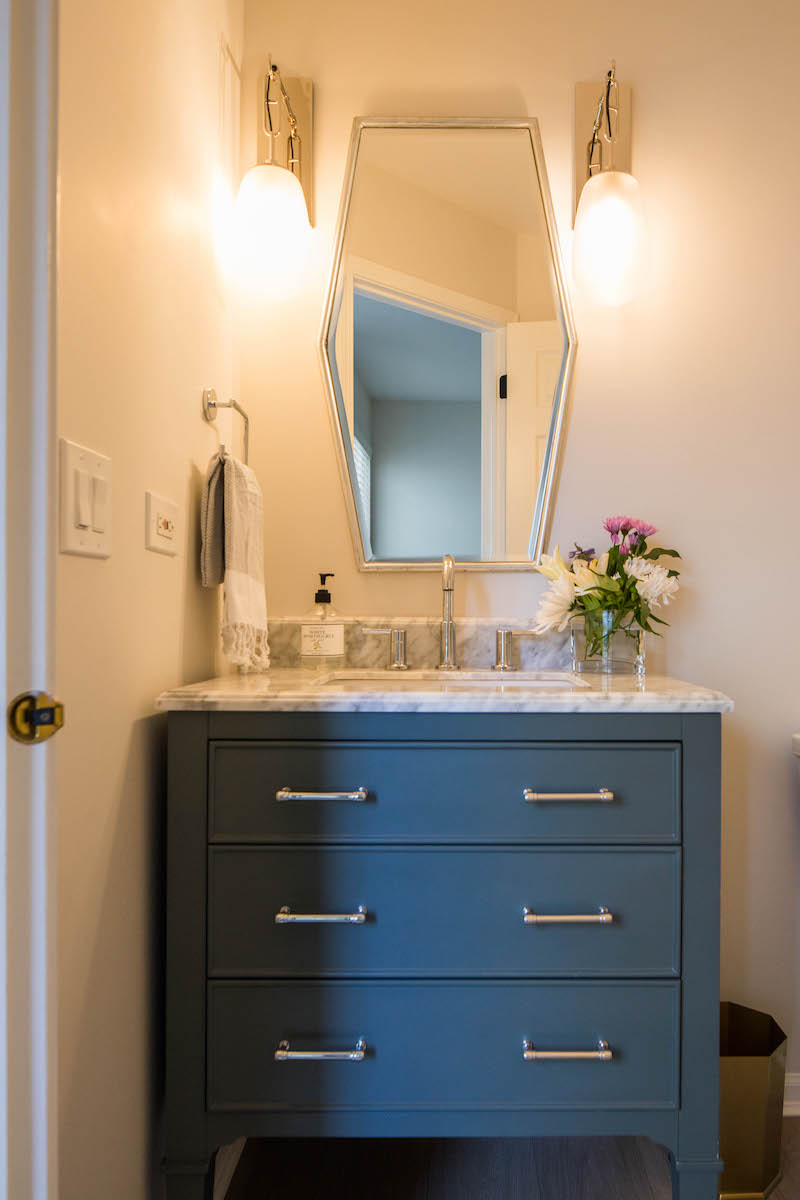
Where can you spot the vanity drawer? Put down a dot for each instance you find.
(444, 791)
(456, 1046)
(443, 912)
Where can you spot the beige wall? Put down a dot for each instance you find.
(397, 225)
(148, 110)
(536, 285)
(685, 407)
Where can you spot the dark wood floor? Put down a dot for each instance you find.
(491, 1169)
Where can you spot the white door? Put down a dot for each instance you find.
(27, 497)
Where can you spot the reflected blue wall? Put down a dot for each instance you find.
(426, 479)
(417, 407)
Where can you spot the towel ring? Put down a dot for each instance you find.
(210, 406)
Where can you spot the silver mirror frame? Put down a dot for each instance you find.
(545, 495)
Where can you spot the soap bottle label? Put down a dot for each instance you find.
(322, 641)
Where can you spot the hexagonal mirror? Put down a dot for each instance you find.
(447, 343)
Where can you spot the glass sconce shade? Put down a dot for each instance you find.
(608, 247)
(271, 220)
(271, 196)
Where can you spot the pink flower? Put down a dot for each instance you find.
(613, 525)
(625, 526)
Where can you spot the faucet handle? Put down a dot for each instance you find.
(504, 656)
(397, 645)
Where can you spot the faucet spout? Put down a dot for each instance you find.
(447, 660)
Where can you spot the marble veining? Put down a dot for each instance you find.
(301, 690)
(475, 639)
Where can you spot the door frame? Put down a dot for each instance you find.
(28, 963)
(468, 312)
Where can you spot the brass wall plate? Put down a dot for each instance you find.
(615, 157)
(33, 717)
(301, 93)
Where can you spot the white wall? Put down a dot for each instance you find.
(687, 398)
(148, 120)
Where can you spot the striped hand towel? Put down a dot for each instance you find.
(232, 553)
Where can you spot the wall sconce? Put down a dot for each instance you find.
(273, 207)
(608, 248)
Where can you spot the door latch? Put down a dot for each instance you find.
(34, 717)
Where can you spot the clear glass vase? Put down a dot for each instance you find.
(597, 646)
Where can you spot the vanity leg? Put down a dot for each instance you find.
(190, 1181)
(695, 1181)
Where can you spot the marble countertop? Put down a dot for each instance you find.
(299, 690)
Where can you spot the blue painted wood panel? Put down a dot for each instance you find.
(445, 1055)
(433, 1046)
(443, 912)
(659, 1124)
(445, 792)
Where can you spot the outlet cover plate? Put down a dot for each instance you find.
(161, 524)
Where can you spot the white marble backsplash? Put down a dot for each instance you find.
(475, 643)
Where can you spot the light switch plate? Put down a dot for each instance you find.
(78, 464)
(161, 524)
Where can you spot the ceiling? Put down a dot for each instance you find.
(489, 173)
(404, 355)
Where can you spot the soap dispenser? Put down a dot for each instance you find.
(322, 631)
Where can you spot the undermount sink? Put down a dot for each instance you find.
(432, 680)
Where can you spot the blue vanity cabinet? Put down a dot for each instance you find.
(408, 924)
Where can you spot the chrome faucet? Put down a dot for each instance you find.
(448, 656)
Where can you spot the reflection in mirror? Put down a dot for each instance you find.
(447, 342)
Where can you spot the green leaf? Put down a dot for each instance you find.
(658, 551)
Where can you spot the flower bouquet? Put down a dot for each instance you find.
(608, 600)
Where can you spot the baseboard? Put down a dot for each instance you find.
(791, 1097)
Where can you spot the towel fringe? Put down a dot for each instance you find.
(246, 647)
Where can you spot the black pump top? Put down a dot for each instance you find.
(323, 596)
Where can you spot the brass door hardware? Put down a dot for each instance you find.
(34, 717)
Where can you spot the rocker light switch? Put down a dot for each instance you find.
(99, 503)
(85, 501)
(83, 506)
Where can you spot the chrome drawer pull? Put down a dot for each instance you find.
(604, 796)
(601, 917)
(285, 1054)
(601, 1054)
(358, 796)
(287, 917)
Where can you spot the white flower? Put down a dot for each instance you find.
(588, 575)
(553, 565)
(653, 582)
(555, 607)
(637, 568)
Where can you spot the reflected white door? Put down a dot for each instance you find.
(27, 487)
(533, 359)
